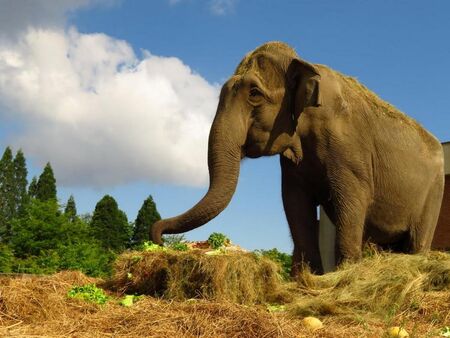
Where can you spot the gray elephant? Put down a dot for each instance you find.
(377, 173)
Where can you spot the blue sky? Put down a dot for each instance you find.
(399, 49)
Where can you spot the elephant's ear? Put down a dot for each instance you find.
(303, 84)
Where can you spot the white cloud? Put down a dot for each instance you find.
(222, 7)
(16, 16)
(101, 115)
(216, 7)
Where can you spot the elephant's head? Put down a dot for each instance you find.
(256, 116)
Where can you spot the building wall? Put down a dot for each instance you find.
(441, 238)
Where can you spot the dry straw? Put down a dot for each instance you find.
(242, 278)
(362, 299)
(380, 285)
(39, 307)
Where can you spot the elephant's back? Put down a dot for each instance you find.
(362, 102)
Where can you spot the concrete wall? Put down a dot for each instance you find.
(327, 235)
(446, 146)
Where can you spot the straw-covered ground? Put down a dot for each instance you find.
(189, 294)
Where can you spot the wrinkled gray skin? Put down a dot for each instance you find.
(376, 172)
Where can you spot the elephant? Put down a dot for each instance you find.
(376, 172)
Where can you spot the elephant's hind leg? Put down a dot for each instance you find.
(422, 229)
(350, 204)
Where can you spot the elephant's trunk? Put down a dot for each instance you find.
(224, 155)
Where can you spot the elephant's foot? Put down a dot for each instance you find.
(298, 266)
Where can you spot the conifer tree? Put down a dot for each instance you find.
(71, 209)
(38, 230)
(20, 181)
(109, 225)
(32, 189)
(7, 200)
(46, 185)
(146, 217)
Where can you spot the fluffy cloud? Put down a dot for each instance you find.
(222, 7)
(217, 7)
(16, 16)
(101, 114)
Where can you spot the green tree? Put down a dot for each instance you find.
(46, 185)
(45, 241)
(32, 189)
(109, 225)
(20, 181)
(79, 251)
(6, 258)
(87, 256)
(71, 209)
(146, 217)
(7, 199)
(38, 229)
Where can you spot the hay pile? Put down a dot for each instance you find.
(380, 285)
(241, 278)
(39, 306)
(362, 299)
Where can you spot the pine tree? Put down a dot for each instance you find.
(109, 225)
(46, 185)
(7, 200)
(146, 217)
(20, 182)
(71, 209)
(38, 230)
(32, 189)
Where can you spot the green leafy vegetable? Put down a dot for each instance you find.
(88, 292)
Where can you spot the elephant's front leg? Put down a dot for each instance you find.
(301, 214)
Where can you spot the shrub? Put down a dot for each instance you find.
(281, 258)
(88, 257)
(6, 258)
(179, 247)
(170, 240)
(217, 240)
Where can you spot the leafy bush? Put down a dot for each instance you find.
(179, 247)
(170, 240)
(6, 258)
(217, 240)
(88, 257)
(175, 242)
(46, 263)
(281, 258)
(88, 292)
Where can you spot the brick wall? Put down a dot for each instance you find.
(441, 238)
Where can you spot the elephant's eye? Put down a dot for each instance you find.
(254, 92)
